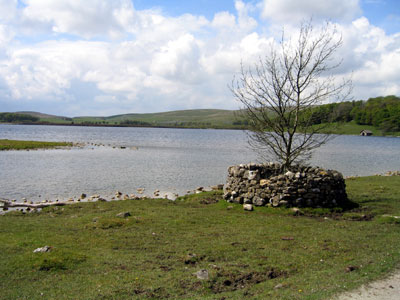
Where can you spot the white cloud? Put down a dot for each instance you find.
(6, 35)
(162, 63)
(89, 18)
(288, 11)
(373, 57)
(178, 59)
(8, 10)
(45, 70)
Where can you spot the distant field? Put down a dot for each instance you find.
(352, 128)
(27, 145)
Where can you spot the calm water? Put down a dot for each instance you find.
(174, 160)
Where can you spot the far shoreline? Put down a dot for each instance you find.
(171, 127)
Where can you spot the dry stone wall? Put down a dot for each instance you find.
(268, 184)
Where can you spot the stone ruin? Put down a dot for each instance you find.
(269, 185)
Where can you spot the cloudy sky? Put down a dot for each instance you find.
(105, 57)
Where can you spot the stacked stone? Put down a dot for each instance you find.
(269, 184)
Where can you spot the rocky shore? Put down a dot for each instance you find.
(26, 205)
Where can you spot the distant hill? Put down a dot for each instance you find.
(196, 118)
(381, 115)
(39, 115)
(214, 118)
(46, 117)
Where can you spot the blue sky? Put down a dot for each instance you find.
(382, 13)
(104, 57)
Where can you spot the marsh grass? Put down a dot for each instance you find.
(28, 145)
(153, 254)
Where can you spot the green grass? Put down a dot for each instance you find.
(153, 253)
(27, 145)
(352, 128)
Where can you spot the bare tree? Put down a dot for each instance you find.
(278, 95)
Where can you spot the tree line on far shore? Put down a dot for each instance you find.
(381, 112)
(17, 118)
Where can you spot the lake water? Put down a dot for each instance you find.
(174, 160)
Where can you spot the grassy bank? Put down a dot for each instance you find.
(27, 145)
(351, 128)
(269, 253)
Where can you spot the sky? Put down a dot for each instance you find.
(107, 57)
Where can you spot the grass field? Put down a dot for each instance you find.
(352, 128)
(27, 145)
(269, 253)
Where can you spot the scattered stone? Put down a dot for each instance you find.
(218, 187)
(101, 199)
(392, 173)
(202, 274)
(230, 207)
(296, 211)
(42, 249)
(191, 259)
(83, 196)
(279, 286)
(123, 214)
(248, 207)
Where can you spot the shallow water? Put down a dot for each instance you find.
(173, 160)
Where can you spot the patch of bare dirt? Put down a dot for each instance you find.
(231, 281)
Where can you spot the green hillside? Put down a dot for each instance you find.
(196, 118)
(205, 116)
(46, 118)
